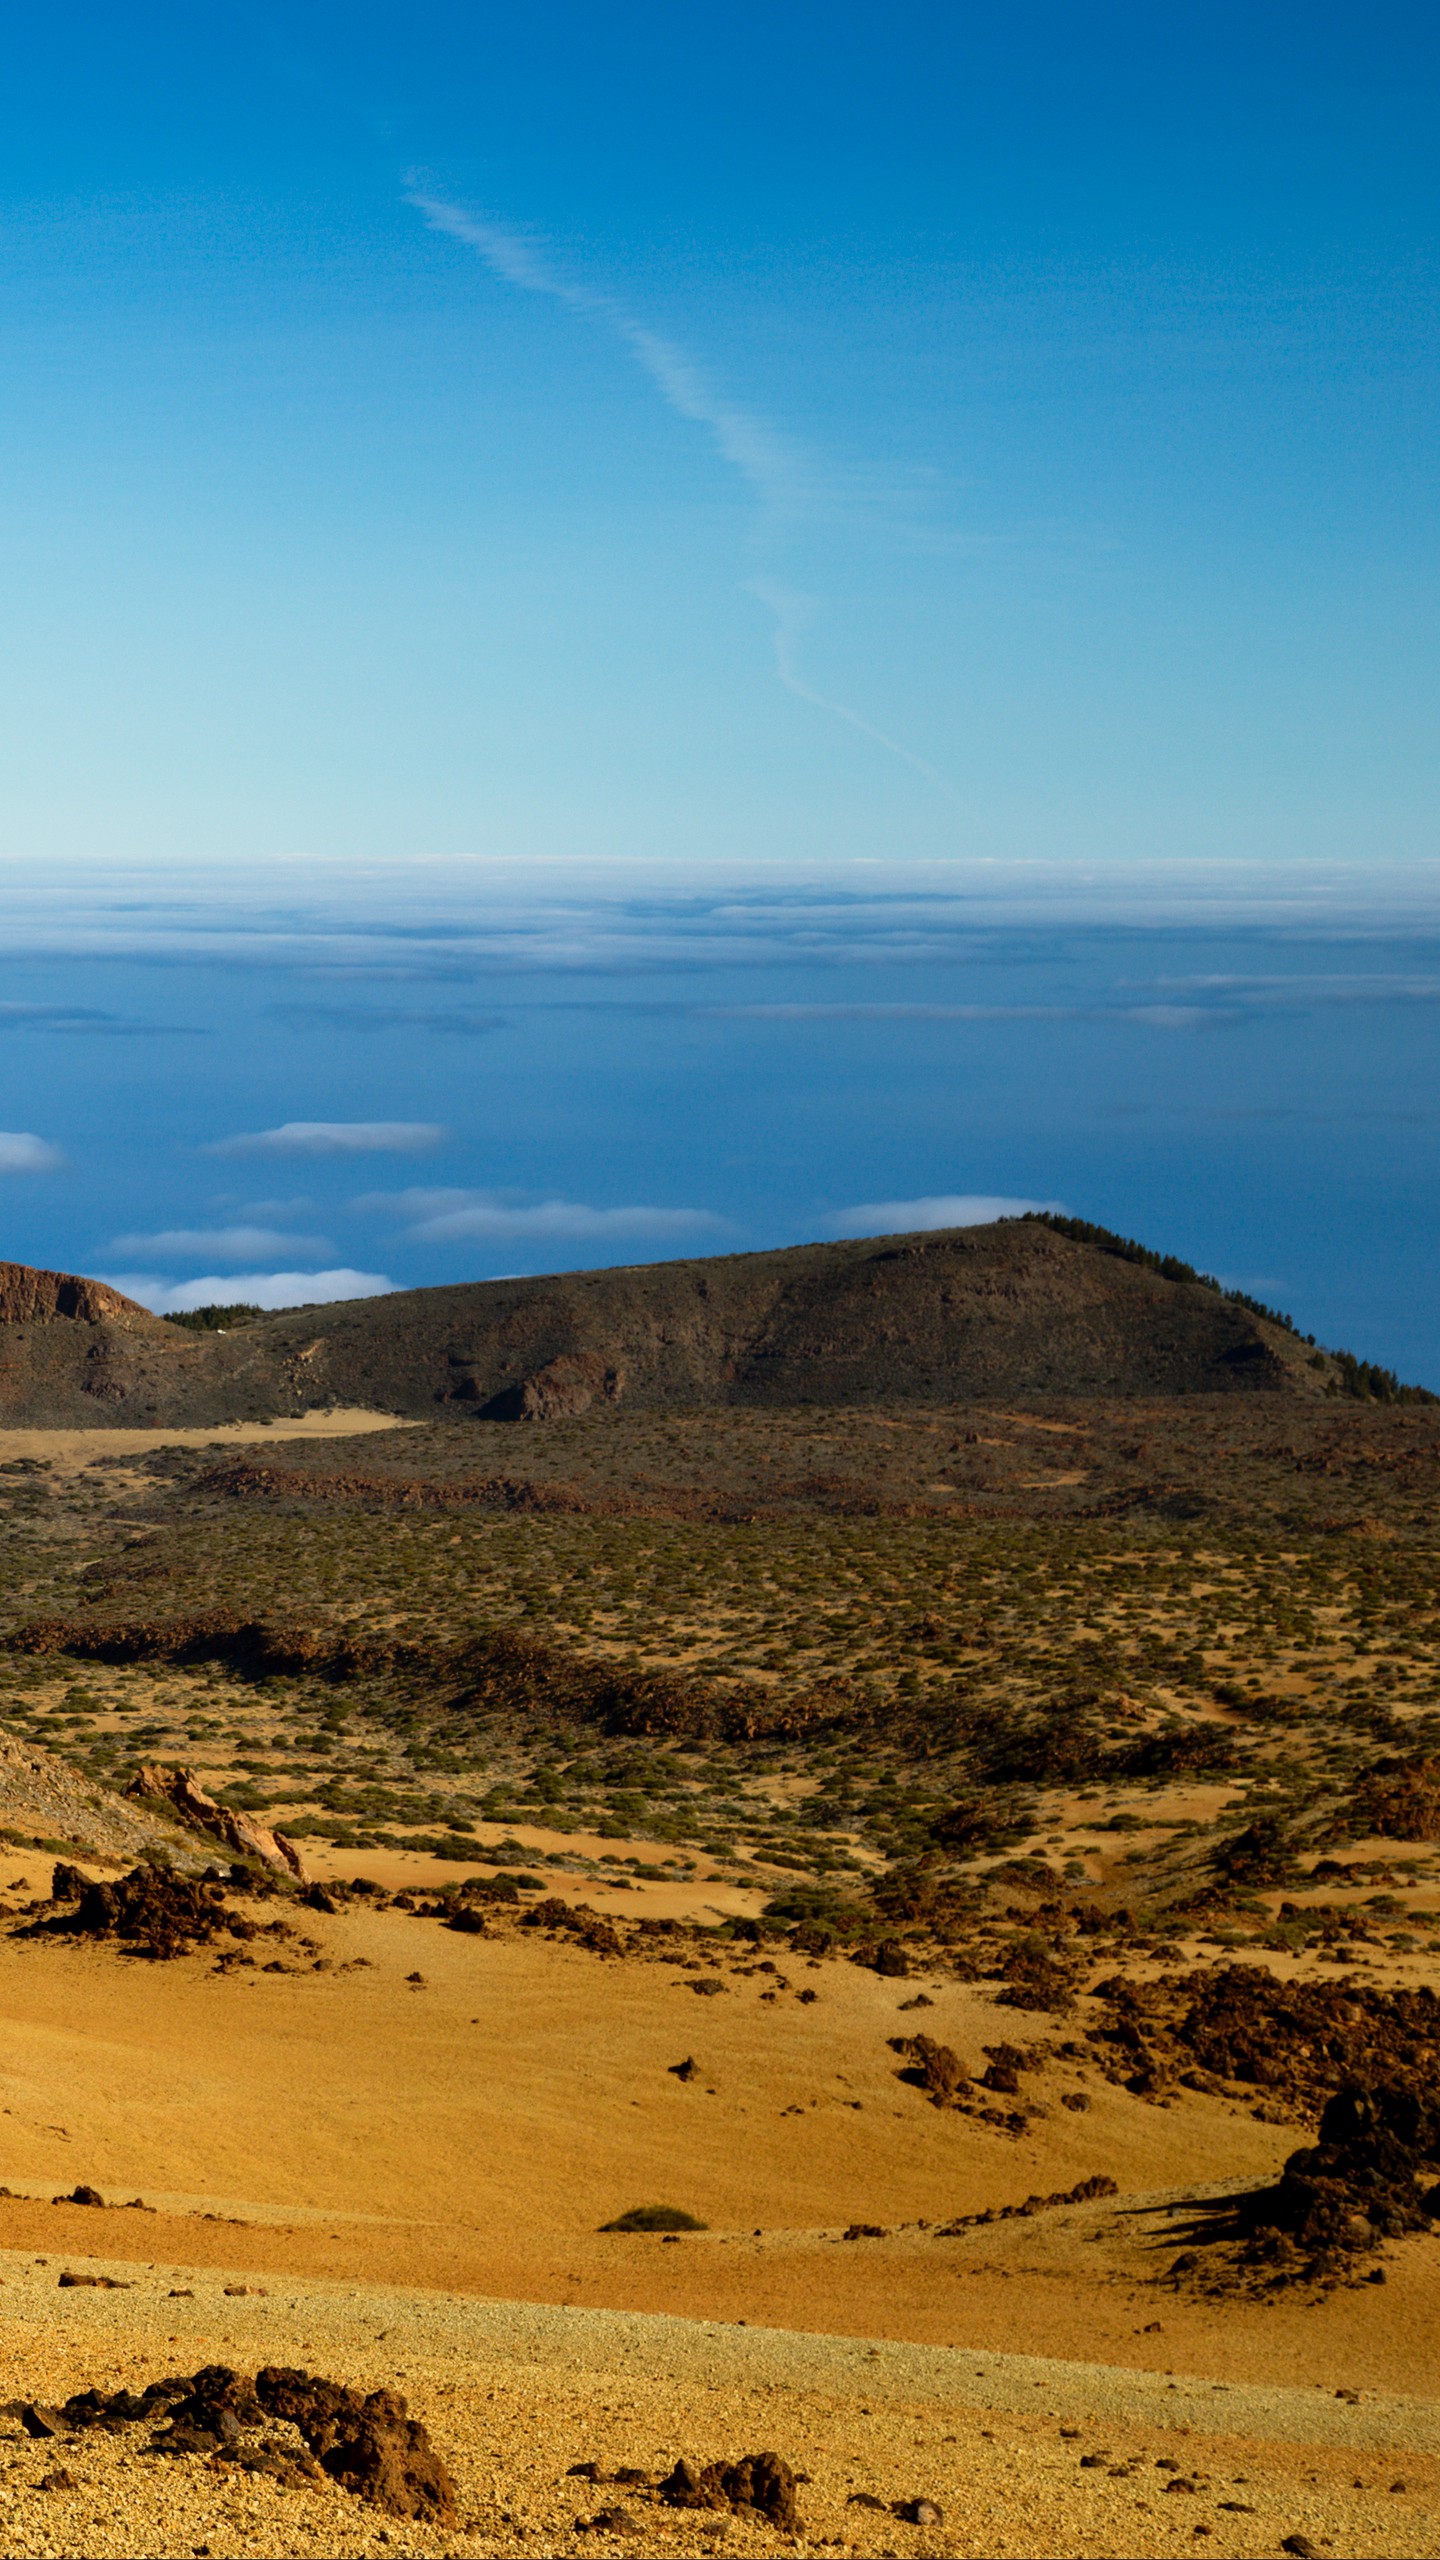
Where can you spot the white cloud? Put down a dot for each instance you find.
(947, 1209)
(251, 1288)
(219, 1244)
(333, 1138)
(22, 1152)
(444, 1216)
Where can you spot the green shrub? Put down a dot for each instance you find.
(655, 2217)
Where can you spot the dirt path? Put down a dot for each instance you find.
(67, 1452)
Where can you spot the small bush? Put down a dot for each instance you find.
(216, 1319)
(655, 2217)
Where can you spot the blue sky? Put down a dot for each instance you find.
(630, 468)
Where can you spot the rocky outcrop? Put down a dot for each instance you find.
(364, 2441)
(44, 1798)
(568, 1385)
(28, 1296)
(181, 1793)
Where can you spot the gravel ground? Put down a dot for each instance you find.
(515, 2394)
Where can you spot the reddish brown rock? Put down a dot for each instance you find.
(759, 2484)
(368, 2444)
(180, 1791)
(28, 1296)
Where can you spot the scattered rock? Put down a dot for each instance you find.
(918, 2511)
(1086, 2191)
(1036, 1978)
(367, 2443)
(890, 1958)
(81, 2195)
(154, 1911)
(101, 2284)
(935, 2068)
(1295, 2041)
(760, 2483)
(40, 2422)
(577, 1921)
(1398, 1800)
(689, 2069)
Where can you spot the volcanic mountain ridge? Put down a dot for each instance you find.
(1017, 1309)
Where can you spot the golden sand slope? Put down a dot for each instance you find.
(472, 2129)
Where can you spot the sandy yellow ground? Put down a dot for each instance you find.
(471, 2131)
(66, 1452)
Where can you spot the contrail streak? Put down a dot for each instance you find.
(772, 468)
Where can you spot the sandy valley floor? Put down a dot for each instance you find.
(334, 2141)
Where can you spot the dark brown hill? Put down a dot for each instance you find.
(1008, 1310)
(1011, 1310)
(74, 1352)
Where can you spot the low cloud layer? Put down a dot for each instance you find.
(219, 1244)
(334, 1138)
(945, 1209)
(22, 1152)
(268, 1289)
(438, 1217)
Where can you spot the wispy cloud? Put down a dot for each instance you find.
(770, 463)
(1151, 1017)
(782, 479)
(945, 1209)
(87, 1020)
(268, 1289)
(22, 1152)
(792, 615)
(333, 1138)
(438, 1217)
(362, 1017)
(219, 1244)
